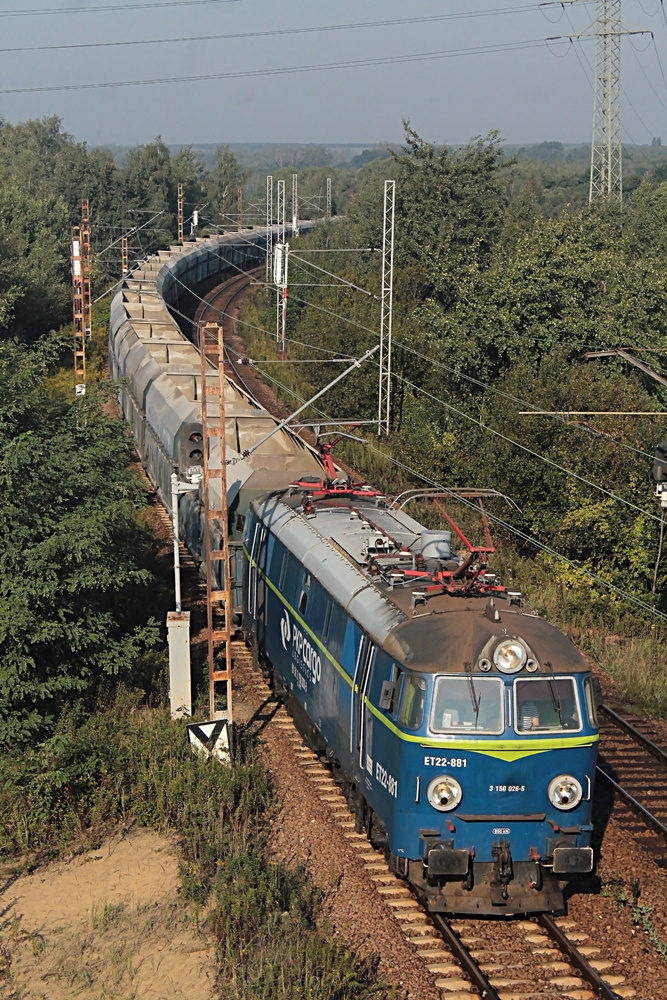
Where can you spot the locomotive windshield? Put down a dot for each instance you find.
(546, 703)
(461, 703)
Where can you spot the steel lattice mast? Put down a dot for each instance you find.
(386, 308)
(606, 146)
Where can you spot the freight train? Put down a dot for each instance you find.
(461, 725)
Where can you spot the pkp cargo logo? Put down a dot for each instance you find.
(285, 630)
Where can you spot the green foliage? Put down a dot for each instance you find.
(495, 307)
(131, 765)
(73, 558)
(224, 179)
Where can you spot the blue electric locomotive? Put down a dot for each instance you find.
(461, 726)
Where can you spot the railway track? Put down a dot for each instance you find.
(497, 960)
(635, 767)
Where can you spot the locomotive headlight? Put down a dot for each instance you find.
(509, 656)
(565, 792)
(444, 793)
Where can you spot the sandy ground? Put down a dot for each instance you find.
(107, 924)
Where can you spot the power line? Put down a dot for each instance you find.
(36, 11)
(285, 70)
(529, 451)
(499, 392)
(384, 23)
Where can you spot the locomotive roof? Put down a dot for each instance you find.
(331, 540)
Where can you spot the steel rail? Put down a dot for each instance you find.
(574, 956)
(465, 959)
(651, 821)
(636, 734)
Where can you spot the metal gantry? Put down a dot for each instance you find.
(216, 518)
(78, 314)
(386, 307)
(281, 211)
(606, 145)
(269, 223)
(328, 197)
(81, 302)
(281, 239)
(180, 213)
(239, 208)
(295, 205)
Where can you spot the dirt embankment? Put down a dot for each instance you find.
(106, 924)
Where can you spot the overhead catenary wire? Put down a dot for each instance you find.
(491, 430)
(438, 364)
(540, 546)
(238, 35)
(468, 417)
(529, 539)
(484, 385)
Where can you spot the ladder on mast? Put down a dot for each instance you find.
(216, 519)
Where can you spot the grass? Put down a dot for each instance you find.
(131, 764)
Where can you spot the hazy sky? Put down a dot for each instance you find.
(528, 94)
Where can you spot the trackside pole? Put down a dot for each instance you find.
(178, 621)
(180, 684)
(216, 519)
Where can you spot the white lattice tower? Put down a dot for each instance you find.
(606, 146)
(386, 306)
(269, 223)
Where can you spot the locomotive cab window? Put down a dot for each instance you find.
(463, 703)
(412, 703)
(546, 703)
(591, 702)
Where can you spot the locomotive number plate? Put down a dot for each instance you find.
(445, 762)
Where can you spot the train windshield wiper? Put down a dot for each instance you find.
(551, 680)
(474, 697)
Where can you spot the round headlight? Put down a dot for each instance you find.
(509, 656)
(565, 792)
(444, 793)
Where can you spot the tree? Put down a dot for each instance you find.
(73, 558)
(225, 177)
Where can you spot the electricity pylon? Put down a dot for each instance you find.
(607, 144)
